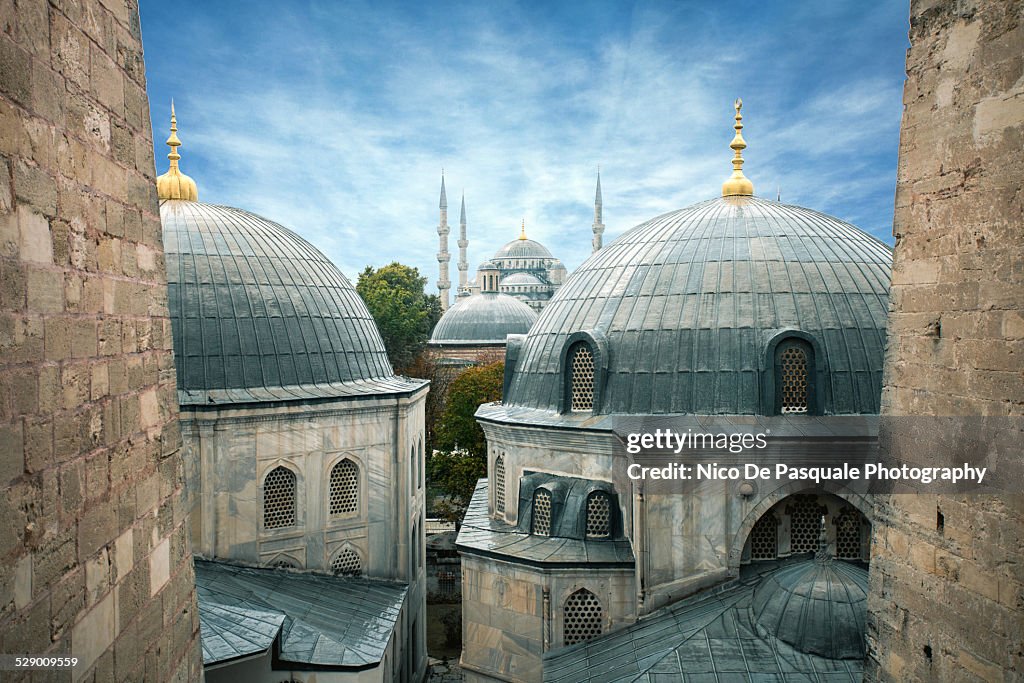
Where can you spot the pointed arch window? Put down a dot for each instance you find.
(848, 525)
(582, 617)
(542, 512)
(279, 498)
(794, 377)
(599, 515)
(581, 377)
(344, 493)
(347, 563)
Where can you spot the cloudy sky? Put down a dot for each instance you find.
(336, 118)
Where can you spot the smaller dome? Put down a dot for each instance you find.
(483, 319)
(818, 606)
(523, 248)
(521, 279)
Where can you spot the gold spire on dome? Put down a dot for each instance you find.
(738, 184)
(174, 184)
(522, 230)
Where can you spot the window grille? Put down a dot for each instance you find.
(542, 513)
(347, 563)
(583, 617)
(805, 525)
(794, 380)
(764, 538)
(499, 484)
(345, 488)
(599, 513)
(279, 499)
(283, 563)
(848, 534)
(581, 378)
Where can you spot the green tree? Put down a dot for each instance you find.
(405, 314)
(460, 458)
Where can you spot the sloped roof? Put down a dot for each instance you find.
(322, 620)
(708, 637)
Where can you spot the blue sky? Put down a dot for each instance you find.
(335, 118)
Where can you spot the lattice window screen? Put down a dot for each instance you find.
(794, 380)
(279, 499)
(764, 538)
(283, 563)
(599, 513)
(848, 534)
(581, 378)
(499, 484)
(542, 513)
(345, 488)
(583, 617)
(347, 563)
(804, 525)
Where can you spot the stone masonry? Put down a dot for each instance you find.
(95, 560)
(947, 580)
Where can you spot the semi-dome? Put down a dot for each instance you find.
(818, 606)
(684, 311)
(259, 314)
(485, 318)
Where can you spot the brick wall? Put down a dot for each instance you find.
(94, 553)
(947, 576)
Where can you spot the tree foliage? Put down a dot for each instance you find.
(405, 314)
(460, 458)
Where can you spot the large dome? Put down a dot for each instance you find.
(684, 308)
(259, 314)
(523, 248)
(485, 318)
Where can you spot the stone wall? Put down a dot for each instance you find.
(94, 551)
(947, 580)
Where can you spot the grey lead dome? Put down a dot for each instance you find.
(259, 314)
(485, 318)
(685, 306)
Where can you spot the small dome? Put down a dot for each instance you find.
(483, 319)
(259, 314)
(523, 248)
(817, 606)
(688, 302)
(521, 279)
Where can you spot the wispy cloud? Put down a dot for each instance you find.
(335, 119)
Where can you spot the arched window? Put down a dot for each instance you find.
(804, 524)
(345, 488)
(599, 515)
(582, 617)
(794, 372)
(279, 499)
(419, 465)
(764, 538)
(848, 524)
(347, 563)
(283, 562)
(580, 361)
(542, 512)
(499, 484)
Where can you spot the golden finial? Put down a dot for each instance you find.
(174, 184)
(738, 184)
(522, 230)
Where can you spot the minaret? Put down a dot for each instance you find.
(598, 206)
(443, 283)
(738, 184)
(174, 184)
(463, 243)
